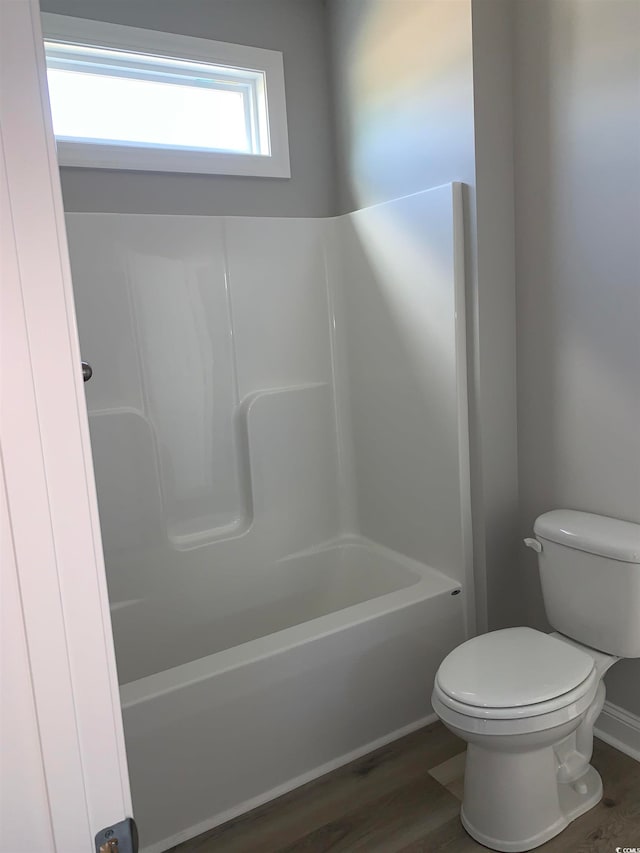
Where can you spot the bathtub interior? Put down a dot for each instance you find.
(297, 589)
(278, 417)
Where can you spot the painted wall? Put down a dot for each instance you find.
(492, 333)
(403, 96)
(295, 27)
(577, 73)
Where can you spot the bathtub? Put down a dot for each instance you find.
(345, 664)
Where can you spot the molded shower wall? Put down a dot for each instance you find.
(403, 368)
(264, 388)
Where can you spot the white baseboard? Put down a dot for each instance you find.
(290, 785)
(620, 729)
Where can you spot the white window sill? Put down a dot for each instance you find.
(147, 159)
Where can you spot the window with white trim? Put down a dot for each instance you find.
(128, 98)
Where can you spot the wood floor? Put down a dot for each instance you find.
(405, 798)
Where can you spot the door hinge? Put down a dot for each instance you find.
(120, 838)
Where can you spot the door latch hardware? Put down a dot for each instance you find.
(121, 837)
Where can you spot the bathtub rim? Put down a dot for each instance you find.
(430, 583)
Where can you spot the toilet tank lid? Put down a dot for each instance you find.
(595, 534)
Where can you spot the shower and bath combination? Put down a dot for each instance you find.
(279, 431)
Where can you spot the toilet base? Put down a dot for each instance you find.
(539, 814)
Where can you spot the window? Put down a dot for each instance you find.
(127, 98)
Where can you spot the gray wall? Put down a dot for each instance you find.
(297, 28)
(577, 161)
(494, 395)
(403, 82)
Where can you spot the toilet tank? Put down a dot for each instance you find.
(590, 575)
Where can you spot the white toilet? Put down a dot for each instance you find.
(526, 702)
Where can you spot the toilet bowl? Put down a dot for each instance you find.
(525, 703)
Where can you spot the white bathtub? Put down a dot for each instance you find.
(212, 738)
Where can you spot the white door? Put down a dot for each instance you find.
(63, 764)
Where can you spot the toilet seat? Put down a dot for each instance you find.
(514, 681)
(530, 719)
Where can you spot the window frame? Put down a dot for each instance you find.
(140, 157)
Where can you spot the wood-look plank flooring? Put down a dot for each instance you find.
(405, 798)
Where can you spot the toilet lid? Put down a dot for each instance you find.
(512, 668)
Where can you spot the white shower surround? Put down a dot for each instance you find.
(279, 430)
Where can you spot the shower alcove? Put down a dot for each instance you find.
(279, 429)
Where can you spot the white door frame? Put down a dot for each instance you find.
(48, 474)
